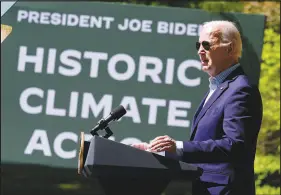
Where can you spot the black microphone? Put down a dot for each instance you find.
(114, 115)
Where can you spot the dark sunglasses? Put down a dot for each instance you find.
(206, 45)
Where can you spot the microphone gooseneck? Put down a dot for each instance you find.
(114, 115)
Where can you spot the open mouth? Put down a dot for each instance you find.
(204, 61)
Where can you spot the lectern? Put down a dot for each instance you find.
(124, 170)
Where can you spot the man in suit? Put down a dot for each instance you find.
(225, 127)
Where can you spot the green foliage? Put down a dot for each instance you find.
(69, 186)
(267, 171)
(221, 6)
(269, 8)
(267, 167)
(270, 90)
(267, 190)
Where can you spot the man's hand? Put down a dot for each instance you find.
(142, 146)
(163, 143)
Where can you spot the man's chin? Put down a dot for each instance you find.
(205, 68)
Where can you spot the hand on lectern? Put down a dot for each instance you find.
(141, 146)
(163, 143)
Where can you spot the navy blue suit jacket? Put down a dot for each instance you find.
(223, 138)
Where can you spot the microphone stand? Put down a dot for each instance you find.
(103, 126)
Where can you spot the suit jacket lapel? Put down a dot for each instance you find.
(197, 112)
(221, 88)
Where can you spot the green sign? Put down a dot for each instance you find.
(66, 67)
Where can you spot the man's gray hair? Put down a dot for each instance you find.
(229, 34)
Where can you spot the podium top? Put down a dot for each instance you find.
(112, 159)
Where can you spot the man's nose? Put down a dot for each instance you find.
(201, 50)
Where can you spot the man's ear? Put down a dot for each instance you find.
(230, 49)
